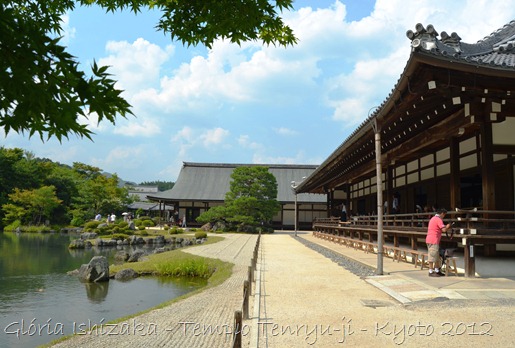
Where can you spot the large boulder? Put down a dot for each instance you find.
(219, 226)
(126, 274)
(121, 255)
(97, 270)
(206, 227)
(79, 244)
(88, 235)
(136, 255)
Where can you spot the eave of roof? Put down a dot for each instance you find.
(469, 62)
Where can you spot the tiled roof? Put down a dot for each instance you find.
(211, 181)
(496, 50)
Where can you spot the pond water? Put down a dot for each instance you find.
(35, 289)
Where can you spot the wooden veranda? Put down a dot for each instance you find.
(442, 139)
(471, 228)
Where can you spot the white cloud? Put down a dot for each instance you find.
(188, 139)
(68, 33)
(120, 158)
(244, 141)
(285, 131)
(136, 65)
(145, 127)
(185, 134)
(214, 136)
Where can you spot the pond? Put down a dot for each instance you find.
(35, 289)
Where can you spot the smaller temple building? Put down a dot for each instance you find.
(201, 186)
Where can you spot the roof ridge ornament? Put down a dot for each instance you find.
(452, 40)
(423, 37)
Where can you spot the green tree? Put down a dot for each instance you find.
(42, 90)
(251, 200)
(31, 206)
(19, 169)
(161, 185)
(97, 193)
(66, 182)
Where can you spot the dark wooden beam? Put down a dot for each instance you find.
(504, 149)
(454, 146)
(487, 166)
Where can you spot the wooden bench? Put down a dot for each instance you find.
(422, 260)
(450, 264)
(451, 268)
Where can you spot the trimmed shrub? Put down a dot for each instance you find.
(175, 230)
(91, 225)
(148, 223)
(76, 222)
(200, 235)
(119, 236)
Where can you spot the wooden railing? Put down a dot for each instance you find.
(471, 228)
(470, 221)
(243, 313)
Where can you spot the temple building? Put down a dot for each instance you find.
(201, 186)
(443, 137)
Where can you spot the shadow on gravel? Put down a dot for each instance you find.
(351, 265)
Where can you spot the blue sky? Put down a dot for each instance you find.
(249, 103)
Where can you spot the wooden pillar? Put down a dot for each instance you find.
(455, 174)
(488, 177)
(330, 196)
(469, 256)
(487, 166)
(347, 200)
(389, 186)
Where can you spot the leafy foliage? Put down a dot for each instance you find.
(161, 185)
(96, 192)
(42, 90)
(31, 206)
(33, 190)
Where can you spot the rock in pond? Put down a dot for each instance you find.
(97, 270)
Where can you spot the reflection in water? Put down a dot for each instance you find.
(34, 285)
(97, 292)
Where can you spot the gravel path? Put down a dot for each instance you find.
(203, 320)
(310, 301)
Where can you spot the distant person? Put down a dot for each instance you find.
(395, 204)
(98, 217)
(434, 234)
(183, 221)
(113, 217)
(343, 216)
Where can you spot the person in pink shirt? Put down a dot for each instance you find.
(434, 233)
